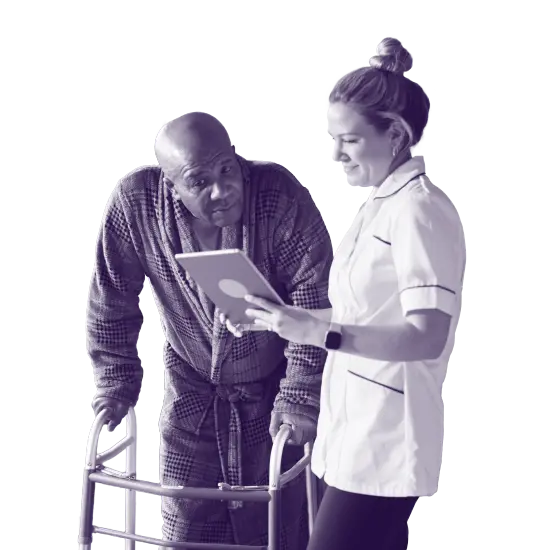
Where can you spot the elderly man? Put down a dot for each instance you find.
(224, 397)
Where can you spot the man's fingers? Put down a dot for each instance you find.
(113, 419)
(233, 329)
(239, 329)
(274, 424)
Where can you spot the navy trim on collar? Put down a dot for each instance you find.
(403, 186)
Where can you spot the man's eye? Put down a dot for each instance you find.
(197, 183)
(349, 140)
(226, 169)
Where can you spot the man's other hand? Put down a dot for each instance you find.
(117, 410)
(303, 428)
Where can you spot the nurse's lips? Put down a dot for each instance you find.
(348, 168)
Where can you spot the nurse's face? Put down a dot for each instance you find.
(364, 151)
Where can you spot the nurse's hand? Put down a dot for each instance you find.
(289, 322)
(303, 428)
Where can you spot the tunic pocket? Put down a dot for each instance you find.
(374, 449)
(371, 267)
(376, 408)
(375, 382)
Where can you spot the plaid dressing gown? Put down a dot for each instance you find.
(219, 390)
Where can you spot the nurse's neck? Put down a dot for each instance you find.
(398, 161)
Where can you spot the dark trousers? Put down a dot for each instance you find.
(361, 522)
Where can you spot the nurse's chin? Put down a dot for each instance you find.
(358, 180)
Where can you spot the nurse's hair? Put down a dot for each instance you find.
(384, 95)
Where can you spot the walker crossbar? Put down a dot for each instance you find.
(95, 472)
(178, 492)
(167, 543)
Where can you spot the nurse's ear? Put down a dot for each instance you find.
(399, 137)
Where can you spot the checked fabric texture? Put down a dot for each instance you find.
(219, 390)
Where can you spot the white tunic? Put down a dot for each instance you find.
(380, 429)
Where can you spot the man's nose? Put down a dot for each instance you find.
(219, 191)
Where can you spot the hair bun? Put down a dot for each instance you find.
(392, 57)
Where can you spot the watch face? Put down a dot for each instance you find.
(333, 340)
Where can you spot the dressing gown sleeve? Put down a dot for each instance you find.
(303, 256)
(114, 318)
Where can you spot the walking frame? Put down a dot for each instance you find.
(95, 472)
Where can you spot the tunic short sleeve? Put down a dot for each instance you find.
(428, 250)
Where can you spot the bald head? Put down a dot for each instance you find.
(193, 137)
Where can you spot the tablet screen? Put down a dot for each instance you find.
(226, 277)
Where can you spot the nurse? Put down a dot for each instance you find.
(395, 289)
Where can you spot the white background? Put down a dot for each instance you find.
(86, 86)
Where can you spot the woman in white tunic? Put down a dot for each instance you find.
(395, 290)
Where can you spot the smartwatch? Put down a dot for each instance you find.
(333, 337)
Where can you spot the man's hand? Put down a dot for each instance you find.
(303, 428)
(238, 329)
(117, 410)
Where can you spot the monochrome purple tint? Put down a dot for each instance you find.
(312, 224)
(363, 196)
(201, 362)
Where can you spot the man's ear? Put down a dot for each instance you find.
(235, 145)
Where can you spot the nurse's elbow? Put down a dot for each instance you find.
(432, 328)
(435, 344)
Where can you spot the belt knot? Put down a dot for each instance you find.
(239, 392)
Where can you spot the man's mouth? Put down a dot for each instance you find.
(223, 208)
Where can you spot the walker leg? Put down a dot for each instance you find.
(130, 517)
(86, 512)
(274, 515)
(311, 488)
(131, 471)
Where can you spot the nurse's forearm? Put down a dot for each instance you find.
(321, 314)
(403, 342)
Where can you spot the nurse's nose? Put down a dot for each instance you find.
(337, 152)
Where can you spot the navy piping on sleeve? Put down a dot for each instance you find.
(429, 286)
(377, 383)
(382, 240)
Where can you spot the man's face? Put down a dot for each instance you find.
(210, 185)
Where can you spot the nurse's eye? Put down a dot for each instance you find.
(350, 140)
(226, 169)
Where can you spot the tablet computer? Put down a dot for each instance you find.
(226, 277)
